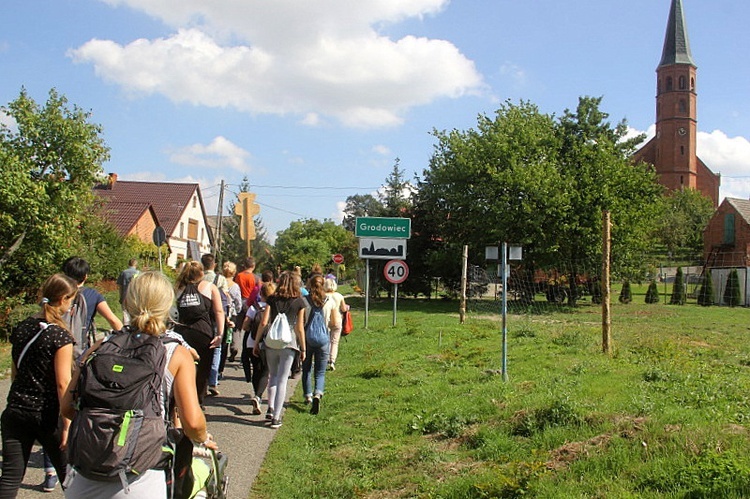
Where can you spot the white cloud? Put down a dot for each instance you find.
(381, 149)
(220, 153)
(288, 56)
(730, 156)
(338, 215)
(7, 120)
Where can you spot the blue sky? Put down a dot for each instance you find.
(314, 100)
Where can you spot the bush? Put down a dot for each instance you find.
(732, 295)
(706, 293)
(678, 290)
(626, 296)
(652, 295)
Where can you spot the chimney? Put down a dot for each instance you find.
(111, 179)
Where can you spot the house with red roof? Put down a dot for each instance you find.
(139, 207)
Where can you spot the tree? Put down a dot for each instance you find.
(626, 295)
(360, 205)
(395, 195)
(706, 292)
(306, 242)
(652, 293)
(732, 293)
(527, 178)
(678, 289)
(51, 161)
(681, 219)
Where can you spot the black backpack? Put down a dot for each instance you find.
(120, 426)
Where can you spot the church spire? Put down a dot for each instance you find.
(676, 43)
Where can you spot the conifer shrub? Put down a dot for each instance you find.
(652, 294)
(706, 292)
(732, 294)
(678, 290)
(626, 296)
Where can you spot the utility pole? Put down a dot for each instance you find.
(219, 221)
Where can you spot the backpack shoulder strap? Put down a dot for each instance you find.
(42, 327)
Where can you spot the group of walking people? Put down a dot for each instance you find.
(207, 313)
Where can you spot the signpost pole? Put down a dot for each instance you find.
(160, 269)
(395, 298)
(504, 266)
(367, 292)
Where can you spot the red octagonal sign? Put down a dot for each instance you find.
(338, 258)
(396, 271)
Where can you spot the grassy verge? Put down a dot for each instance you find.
(420, 409)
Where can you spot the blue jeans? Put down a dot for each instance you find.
(318, 355)
(213, 374)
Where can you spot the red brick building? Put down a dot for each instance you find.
(673, 150)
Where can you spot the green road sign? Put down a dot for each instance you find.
(392, 228)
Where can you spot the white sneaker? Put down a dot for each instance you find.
(255, 401)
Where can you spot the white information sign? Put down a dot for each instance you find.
(382, 249)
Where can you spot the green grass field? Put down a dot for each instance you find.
(421, 409)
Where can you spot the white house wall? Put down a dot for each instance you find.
(178, 243)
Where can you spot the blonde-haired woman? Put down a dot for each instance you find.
(199, 308)
(148, 300)
(42, 353)
(234, 321)
(336, 302)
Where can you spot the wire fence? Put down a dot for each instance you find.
(567, 285)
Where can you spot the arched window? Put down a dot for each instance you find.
(683, 106)
(682, 83)
(669, 83)
(682, 150)
(682, 180)
(692, 84)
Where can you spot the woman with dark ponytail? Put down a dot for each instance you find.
(42, 353)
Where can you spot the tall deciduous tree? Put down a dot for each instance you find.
(526, 177)
(682, 217)
(361, 205)
(51, 159)
(306, 242)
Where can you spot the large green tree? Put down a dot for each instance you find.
(307, 242)
(50, 159)
(361, 205)
(682, 217)
(527, 177)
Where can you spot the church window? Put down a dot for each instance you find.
(692, 84)
(669, 83)
(682, 83)
(683, 106)
(682, 180)
(682, 150)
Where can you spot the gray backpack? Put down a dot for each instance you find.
(120, 427)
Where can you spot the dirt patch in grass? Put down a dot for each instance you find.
(563, 456)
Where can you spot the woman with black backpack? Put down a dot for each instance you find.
(42, 352)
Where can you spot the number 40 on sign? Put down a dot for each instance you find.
(396, 271)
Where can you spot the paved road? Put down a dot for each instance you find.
(243, 437)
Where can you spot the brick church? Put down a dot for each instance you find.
(672, 151)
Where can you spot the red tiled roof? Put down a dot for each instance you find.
(169, 199)
(124, 216)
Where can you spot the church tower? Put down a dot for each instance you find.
(673, 150)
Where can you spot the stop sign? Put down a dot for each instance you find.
(338, 258)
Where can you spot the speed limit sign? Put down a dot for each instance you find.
(396, 271)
